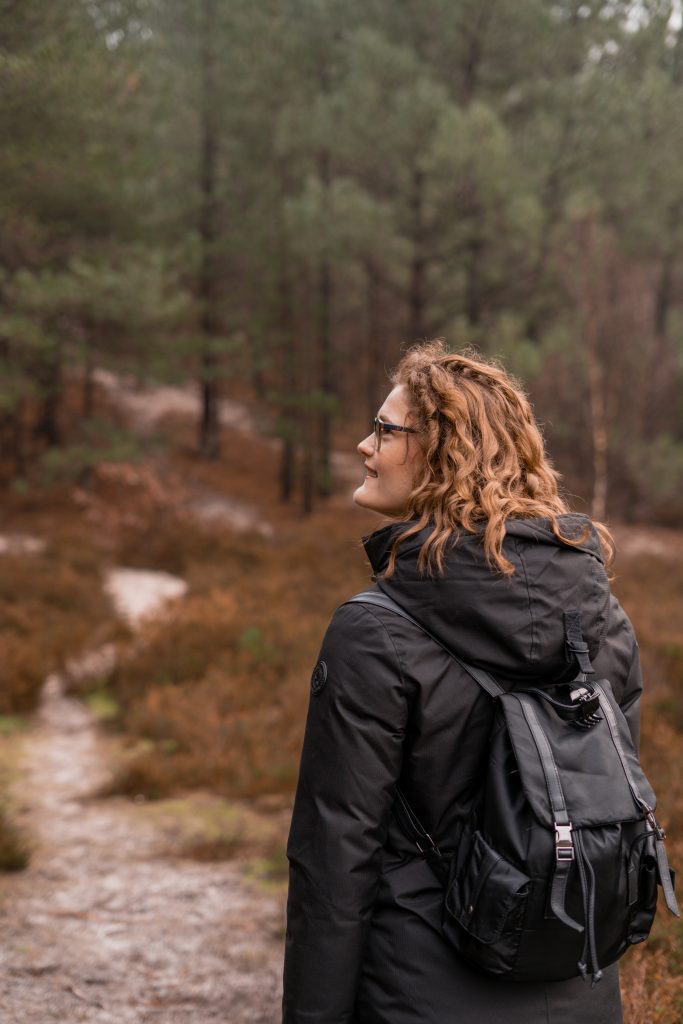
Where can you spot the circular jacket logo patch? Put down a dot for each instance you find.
(319, 678)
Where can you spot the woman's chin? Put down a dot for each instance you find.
(362, 498)
(358, 495)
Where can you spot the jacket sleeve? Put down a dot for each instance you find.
(630, 703)
(619, 661)
(350, 762)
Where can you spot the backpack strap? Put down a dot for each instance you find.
(412, 827)
(382, 600)
(564, 842)
(575, 645)
(659, 833)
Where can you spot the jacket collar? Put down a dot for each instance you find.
(378, 544)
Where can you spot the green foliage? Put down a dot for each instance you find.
(102, 704)
(100, 442)
(253, 641)
(10, 724)
(281, 196)
(657, 469)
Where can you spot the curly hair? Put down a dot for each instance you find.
(484, 456)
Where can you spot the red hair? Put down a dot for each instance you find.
(484, 455)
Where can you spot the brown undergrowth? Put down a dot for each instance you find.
(51, 606)
(650, 586)
(217, 687)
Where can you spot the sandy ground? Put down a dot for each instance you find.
(139, 592)
(103, 926)
(147, 405)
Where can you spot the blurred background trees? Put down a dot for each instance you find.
(271, 199)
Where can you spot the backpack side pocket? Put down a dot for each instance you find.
(485, 904)
(641, 874)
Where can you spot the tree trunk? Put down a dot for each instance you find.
(289, 382)
(88, 405)
(416, 295)
(19, 439)
(287, 463)
(255, 347)
(473, 303)
(661, 376)
(599, 435)
(591, 281)
(373, 343)
(551, 202)
(49, 378)
(12, 439)
(475, 50)
(309, 421)
(307, 478)
(327, 389)
(663, 294)
(209, 426)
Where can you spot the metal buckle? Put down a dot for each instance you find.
(564, 844)
(658, 830)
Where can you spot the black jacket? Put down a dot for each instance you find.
(388, 704)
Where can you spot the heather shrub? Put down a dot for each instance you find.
(49, 610)
(650, 587)
(219, 684)
(216, 692)
(176, 647)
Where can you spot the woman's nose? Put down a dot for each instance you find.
(367, 445)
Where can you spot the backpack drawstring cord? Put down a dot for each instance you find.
(587, 877)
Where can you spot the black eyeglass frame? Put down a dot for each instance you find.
(380, 427)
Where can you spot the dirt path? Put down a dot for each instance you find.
(103, 926)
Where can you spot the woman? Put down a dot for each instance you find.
(484, 553)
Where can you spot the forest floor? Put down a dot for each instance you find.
(106, 925)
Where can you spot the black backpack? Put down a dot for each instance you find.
(556, 869)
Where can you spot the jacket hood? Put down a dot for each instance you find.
(512, 627)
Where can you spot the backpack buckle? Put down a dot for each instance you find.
(564, 844)
(588, 702)
(575, 646)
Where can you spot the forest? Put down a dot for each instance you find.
(222, 222)
(272, 199)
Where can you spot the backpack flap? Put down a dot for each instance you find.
(587, 760)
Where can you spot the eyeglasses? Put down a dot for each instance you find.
(380, 427)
